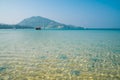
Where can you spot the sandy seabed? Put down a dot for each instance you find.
(59, 55)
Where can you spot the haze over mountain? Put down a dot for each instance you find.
(44, 23)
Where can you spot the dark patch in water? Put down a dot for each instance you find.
(62, 56)
(47, 51)
(77, 48)
(115, 63)
(2, 69)
(91, 67)
(116, 51)
(33, 48)
(77, 54)
(43, 57)
(1, 78)
(96, 59)
(75, 72)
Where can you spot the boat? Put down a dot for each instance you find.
(37, 28)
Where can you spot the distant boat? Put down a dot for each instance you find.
(38, 28)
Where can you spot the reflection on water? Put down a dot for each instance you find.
(59, 55)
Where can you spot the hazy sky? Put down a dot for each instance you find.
(85, 13)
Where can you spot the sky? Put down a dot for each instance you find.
(84, 13)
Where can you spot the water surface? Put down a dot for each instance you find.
(60, 55)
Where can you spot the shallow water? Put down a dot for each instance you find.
(60, 55)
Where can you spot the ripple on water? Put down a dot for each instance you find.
(96, 59)
(62, 57)
(2, 69)
(75, 72)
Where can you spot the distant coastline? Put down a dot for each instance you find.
(7, 26)
(46, 24)
(41, 22)
(101, 28)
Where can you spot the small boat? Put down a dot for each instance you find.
(38, 28)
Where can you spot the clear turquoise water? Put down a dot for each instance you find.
(60, 55)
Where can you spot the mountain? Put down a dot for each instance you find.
(44, 23)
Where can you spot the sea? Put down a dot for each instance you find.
(28, 54)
